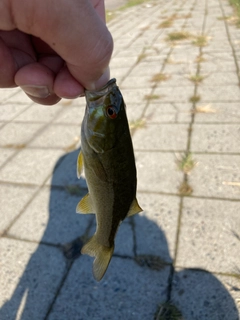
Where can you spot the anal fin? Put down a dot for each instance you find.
(85, 205)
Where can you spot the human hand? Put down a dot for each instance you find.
(54, 49)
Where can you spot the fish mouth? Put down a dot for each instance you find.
(97, 94)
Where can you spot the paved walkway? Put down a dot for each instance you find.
(183, 98)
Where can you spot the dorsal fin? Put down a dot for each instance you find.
(134, 208)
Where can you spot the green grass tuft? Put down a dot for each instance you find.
(178, 36)
(236, 5)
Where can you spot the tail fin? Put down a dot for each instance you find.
(102, 256)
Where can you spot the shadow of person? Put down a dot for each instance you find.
(57, 281)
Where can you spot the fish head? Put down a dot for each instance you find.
(104, 112)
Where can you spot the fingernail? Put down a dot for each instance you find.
(36, 91)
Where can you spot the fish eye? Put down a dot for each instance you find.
(111, 112)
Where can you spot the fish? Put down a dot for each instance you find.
(107, 158)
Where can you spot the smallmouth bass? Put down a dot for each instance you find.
(108, 160)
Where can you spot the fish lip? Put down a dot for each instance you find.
(96, 94)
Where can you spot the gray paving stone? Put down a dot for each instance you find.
(216, 176)
(209, 235)
(219, 56)
(114, 4)
(51, 217)
(30, 277)
(202, 295)
(127, 291)
(65, 172)
(161, 137)
(39, 113)
(5, 154)
(30, 166)
(71, 115)
(136, 81)
(157, 172)
(13, 199)
(120, 73)
(134, 96)
(156, 226)
(57, 136)
(177, 67)
(176, 80)
(220, 79)
(222, 93)
(6, 93)
(124, 243)
(134, 112)
(217, 42)
(123, 61)
(10, 111)
(168, 112)
(217, 66)
(216, 138)
(17, 133)
(142, 70)
(129, 52)
(175, 93)
(218, 112)
(20, 98)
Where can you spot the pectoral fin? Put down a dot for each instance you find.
(85, 205)
(134, 208)
(79, 164)
(102, 256)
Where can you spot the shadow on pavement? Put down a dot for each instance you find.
(134, 285)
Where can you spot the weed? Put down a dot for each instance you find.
(110, 15)
(167, 23)
(200, 58)
(141, 57)
(152, 97)
(185, 162)
(74, 190)
(185, 189)
(196, 78)
(223, 18)
(168, 311)
(195, 98)
(200, 41)
(178, 36)
(132, 3)
(236, 5)
(137, 124)
(150, 261)
(158, 77)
